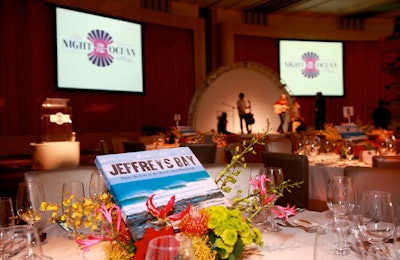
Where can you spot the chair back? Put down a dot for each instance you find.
(117, 144)
(104, 147)
(392, 162)
(133, 146)
(279, 145)
(53, 180)
(295, 168)
(367, 178)
(204, 152)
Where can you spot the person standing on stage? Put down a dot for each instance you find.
(241, 106)
(280, 107)
(320, 112)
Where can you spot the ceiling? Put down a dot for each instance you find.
(386, 9)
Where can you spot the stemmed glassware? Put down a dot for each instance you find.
(6, 212)
(328, 145)
(274, 189)
(170, 247)
(349, 150)
(97, 186)
(72, 192)
(376, 222)
(6, 222)
(30, 195)
(341, 200)
(24, 244)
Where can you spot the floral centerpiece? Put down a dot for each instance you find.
(217, 232)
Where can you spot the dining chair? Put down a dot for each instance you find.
(104, 147)
(295, 169)
(367, 178)
(279, 145)
(205, 152)
(133, 146)
(386, 161)
(53, 180)
(117, 144)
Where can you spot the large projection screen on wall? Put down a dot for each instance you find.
(308, 67)
(96, 52)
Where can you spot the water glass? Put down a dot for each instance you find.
(376, 222)
(97, 185)
(24, 244)
(330, 235)
(72, 192)
(30, 196)
(170, 247)
(6, 212)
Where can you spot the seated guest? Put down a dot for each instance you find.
(222, 122)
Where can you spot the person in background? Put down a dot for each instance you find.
(381, 115)
(241, 106)
(280, 107)
(320, 112)
(296, 120)
(222, 123)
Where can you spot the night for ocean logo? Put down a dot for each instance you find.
(310, 59)
(100, 40)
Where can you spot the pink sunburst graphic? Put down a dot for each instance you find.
(310, 59)
(100, 56)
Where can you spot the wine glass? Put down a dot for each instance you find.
(328, 234)
(273, 191)
(6, 212)
(24, 244)
(328, 146)
(376, 222)
(170, 247)
(72, 192)
(97, 186)
(341, 199)
(30, 195)
(349, 150)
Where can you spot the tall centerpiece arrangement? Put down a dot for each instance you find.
(216, 231)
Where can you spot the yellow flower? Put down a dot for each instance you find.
(229, 236)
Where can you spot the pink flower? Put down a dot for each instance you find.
(91, 240)
(259, 183)
(284, 212)
(162, 214)
(108, 214)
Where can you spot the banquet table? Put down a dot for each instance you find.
(290, 243)
(324, 166)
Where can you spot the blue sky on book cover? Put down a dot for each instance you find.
(133, 177)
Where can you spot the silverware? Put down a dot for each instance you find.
(307, 226)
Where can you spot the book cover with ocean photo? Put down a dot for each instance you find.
(133, 177)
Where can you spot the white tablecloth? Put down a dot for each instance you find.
(290, 243)
(323, 167)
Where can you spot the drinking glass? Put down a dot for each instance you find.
(328, 146)
(24, 244)
(328, 236)
(72, 192)
(376, 222)
(273, 191)
(349, 150)
(5, 237)
(6, 212)
(341, 199)
(170, 247)
(29, 197)
(97, 186)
